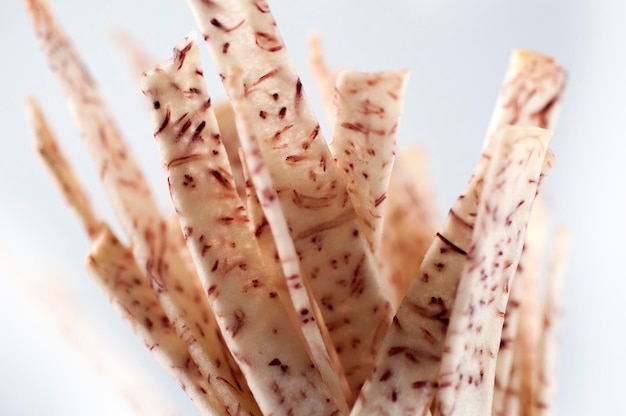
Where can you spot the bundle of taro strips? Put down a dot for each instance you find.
(313, 278)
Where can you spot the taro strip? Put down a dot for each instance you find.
(230, 137)
(410, 218)
(76, 197)
(333, 252)
(138, 59)
(523, 292)
(179, 292)
(413, 345)
(529, 331)
(410, 223)
(324, 77)
(311, 320)
(544, 400)
(467, 374)
(367, 112)
(513, 404)
(261, 228)
(260, 331)
(531, 92)
(113, 267)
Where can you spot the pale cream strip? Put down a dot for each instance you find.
(324, 77)
(113, 267)
(413, 347)
(367, 114)
(522, 300)
(310, 318)
(230, 137)
(410, 223)
(137, 58)
(531, 95)
(467, 374)
(179, 292)
(531, 92)
(529, 323)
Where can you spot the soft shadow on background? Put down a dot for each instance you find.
(457, 52)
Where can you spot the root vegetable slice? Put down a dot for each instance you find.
(65, 312)
(257, 327)
(410, 223)
(70, 317)
(544, 400)
(519, 359)
(531, 93)
(310, 317)
(466, 378)
(531, 96)
(177, 239)
(513, 404)
(367, 113)
(114, 259)
(260, 226)
(410, 219)
(113, 267)
(324, 77)
(138, 59)
(60, 170)
(407, 366)
(179, 293)
(322, 221)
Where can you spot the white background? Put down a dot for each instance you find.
(457, 52)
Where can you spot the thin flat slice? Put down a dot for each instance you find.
(410, 223)
(407, 366)
(513, 404)
(324, 77)
(260, 331)
(137, 58)
(545, 397)
(466, 378)
(61, 170)
(260, 227)
(333, 252)
(179, 292)
(114, 259)
(310, 317)
(333, 373)
(74, 321)
(113, 267)
(367, 113)
(530, 96)
(529, 325)
(531, 93)
(521, 299)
